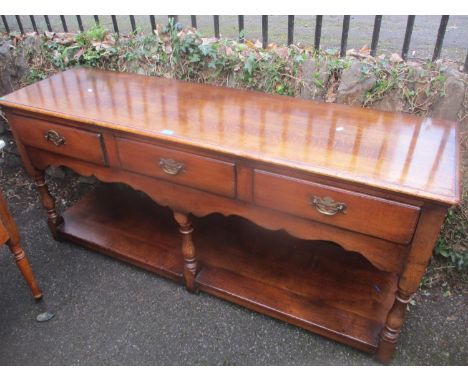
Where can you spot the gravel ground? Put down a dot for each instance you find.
(111, 313)
(360, 33)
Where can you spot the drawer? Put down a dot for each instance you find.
(176, 166)
(60, 139)
(354, 211)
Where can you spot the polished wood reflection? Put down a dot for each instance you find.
(386, 150)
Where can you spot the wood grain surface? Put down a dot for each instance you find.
(393, 151)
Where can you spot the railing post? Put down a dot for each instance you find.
(408, 33)
(5, 23)
(290, 30)
(318, 32)
(153, 23)
(216, 26)
(133, 23)
(375, 35)
(264, 31)
(64, 23)
(465, 67)
(114, 23)
(440, 37)
(193, 19)
(344, 36)
(96, 20)
(240, 20)
(33, 22)
(20, 24)
(47, 21)
(80, 23)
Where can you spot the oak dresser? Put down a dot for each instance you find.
(321, 215)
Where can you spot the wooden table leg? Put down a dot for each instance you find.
(53, 218)
(188, 250)
(391, 332)
(13, 241)
(431, 220)
(23, 265)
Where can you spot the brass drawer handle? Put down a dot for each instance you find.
(170, 166)
(53, 137)
(327, 206)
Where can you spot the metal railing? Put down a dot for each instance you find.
(265, 38)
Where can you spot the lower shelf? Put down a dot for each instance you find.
(315, 285)
(120, 222)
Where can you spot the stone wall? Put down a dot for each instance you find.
(13, 68)
(355, 82)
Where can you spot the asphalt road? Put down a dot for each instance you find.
(360, 33)
(111, 313)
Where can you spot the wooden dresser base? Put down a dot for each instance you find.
(372, 182)
(315, 285)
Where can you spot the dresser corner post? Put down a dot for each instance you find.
(391, 331)
(25, 159)
(53, 218)
(188, 250)
(419, 254)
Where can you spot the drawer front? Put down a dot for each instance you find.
(60, 139)
(362, 213)
(176, 166)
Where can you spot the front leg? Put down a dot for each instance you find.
(24, 267)
(53, 218)
(430, 221)
(188, 250)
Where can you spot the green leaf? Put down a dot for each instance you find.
(194, 58)
(250, 64)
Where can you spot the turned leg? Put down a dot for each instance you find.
(7, 223)
(53, 218)
(391, 331)
(420, 252)
(188, 250)
(23, 265)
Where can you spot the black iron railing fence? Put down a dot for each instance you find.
(265, 40)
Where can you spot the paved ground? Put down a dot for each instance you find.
(111, 313)
(360, 33)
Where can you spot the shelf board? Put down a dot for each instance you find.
(312, 284)
(126, 224)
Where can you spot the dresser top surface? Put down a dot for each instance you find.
(391, 151)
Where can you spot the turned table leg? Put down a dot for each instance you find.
(188, 250)
(53, 218)
(13, 241)
(23, 265)
(420, 252)
(391, 332)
